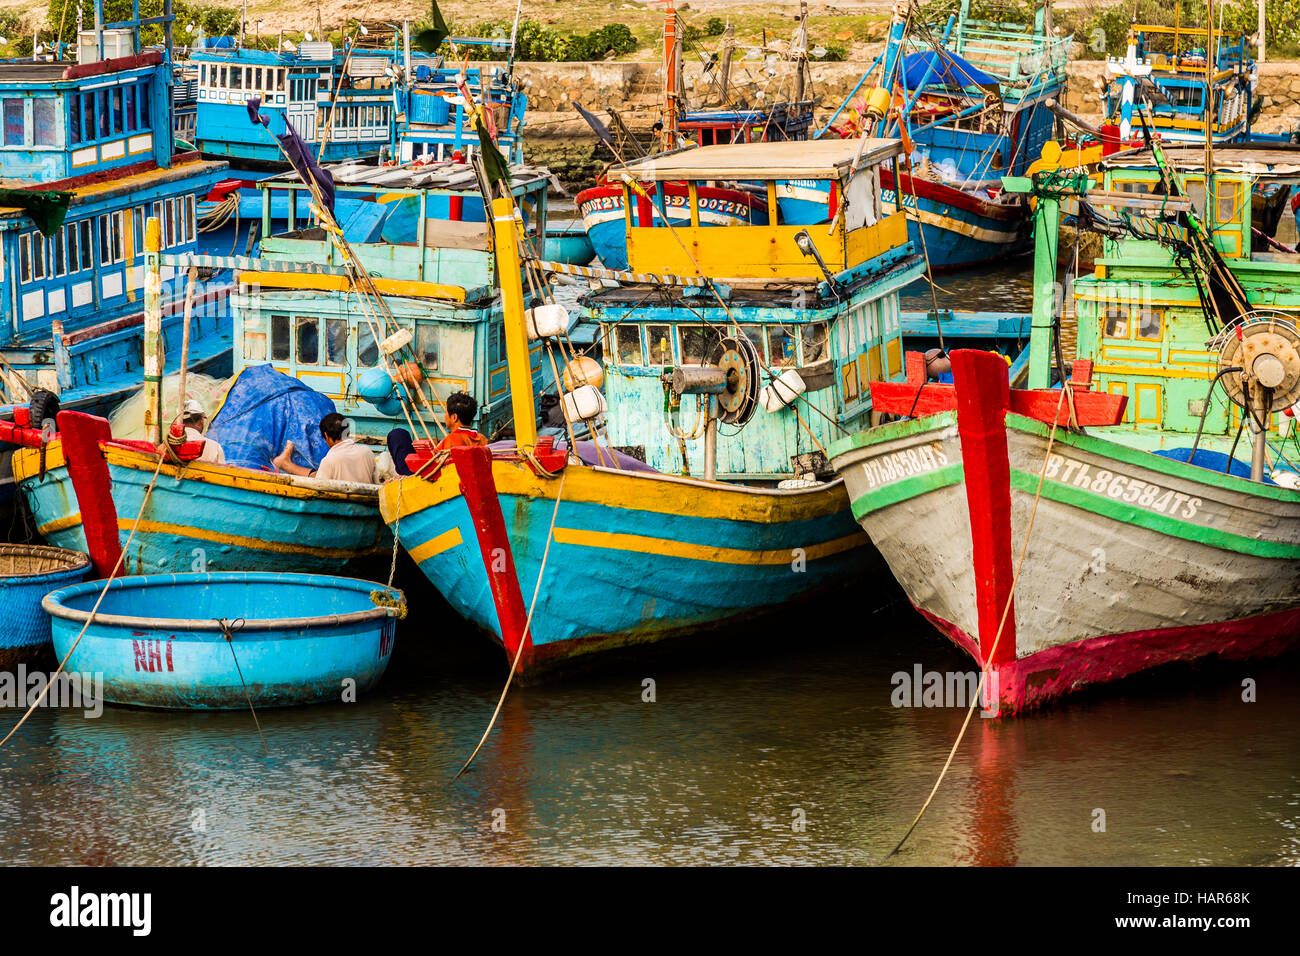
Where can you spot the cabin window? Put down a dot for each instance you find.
(223, 74)
(781, 347)
(14, 122)
(117, 234)
(38, 255)
(280, 338)
(169, 230)
(87, 252)
(115, 116)
(1116, 323)
(45, 121)
(697, 341)
(132, 120)
(308, 331)
(137, 228)
(87, 117)
(660, 339)
(237, 78)
(627, 344)
(191, 226)
(367, 347)
(1147, 322)
(755, 335)
(71, 232)
(496, 345)
(58, 258)
(74, 119)
(25, 258)
(1226, 193)
(815, 347)
(850, 373)
(101, 105)
(426, 347)
(336, 341)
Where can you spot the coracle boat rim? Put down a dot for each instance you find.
(53, 602)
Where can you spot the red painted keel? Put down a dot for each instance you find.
(1042, 677)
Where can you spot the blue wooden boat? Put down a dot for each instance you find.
(166, 640)
(373, 96)
(1007, 333)
(200, 516)
(27, 573)
(721, 521)
(974, 113)
(94, 140)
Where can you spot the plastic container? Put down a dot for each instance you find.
(782, 390)
(584, 403)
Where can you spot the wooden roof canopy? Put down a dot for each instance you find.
(822, 159)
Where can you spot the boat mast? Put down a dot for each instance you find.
(518, 358)
(672, 78)
(1210, 57)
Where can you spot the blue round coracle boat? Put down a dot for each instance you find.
(201, 641)
(28, 572)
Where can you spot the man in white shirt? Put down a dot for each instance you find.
(345, 460)
(195, 420)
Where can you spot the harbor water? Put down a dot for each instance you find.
(778, 745)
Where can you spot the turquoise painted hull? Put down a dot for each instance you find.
(602, 592)
(328, 639)
(193, 525)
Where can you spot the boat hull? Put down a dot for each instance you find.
(211, 517)
(956, 227)
(635, 558)
(1134, 560)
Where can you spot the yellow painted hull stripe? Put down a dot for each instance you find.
(60, 524)
(640, 544)
(627, 491)
(436, 546)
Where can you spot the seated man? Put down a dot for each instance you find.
(345, 460)
(461, 409)
(195, 420)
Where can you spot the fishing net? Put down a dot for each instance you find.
(128, 418)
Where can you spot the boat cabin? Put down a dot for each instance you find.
(97, 134)
(421, 232)
(1141, 319)
(816, 306)
(1173, 59)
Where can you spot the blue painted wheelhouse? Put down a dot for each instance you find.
(350, 102)
(96, 134)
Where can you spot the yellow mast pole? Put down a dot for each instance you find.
(518, 358)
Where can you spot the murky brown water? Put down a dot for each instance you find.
(790, 721)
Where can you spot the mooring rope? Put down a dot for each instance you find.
(528, 624)
(1006, 609)
(228, 630)
(90, 620)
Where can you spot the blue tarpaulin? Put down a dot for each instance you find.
(950, 70)
(1212, 460)
(262, 410)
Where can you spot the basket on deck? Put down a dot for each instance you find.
(28, 572)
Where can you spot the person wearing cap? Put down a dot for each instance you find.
(345, 460)
(195, 420)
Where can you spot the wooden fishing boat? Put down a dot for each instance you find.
(371, 95)
(84, 491)
(709, 528)
(1144, 545)
(225, 641)
(968, 98)
(89, 155)
(27, 573)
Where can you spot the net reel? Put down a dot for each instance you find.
(1259, 362)
(727, 385)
